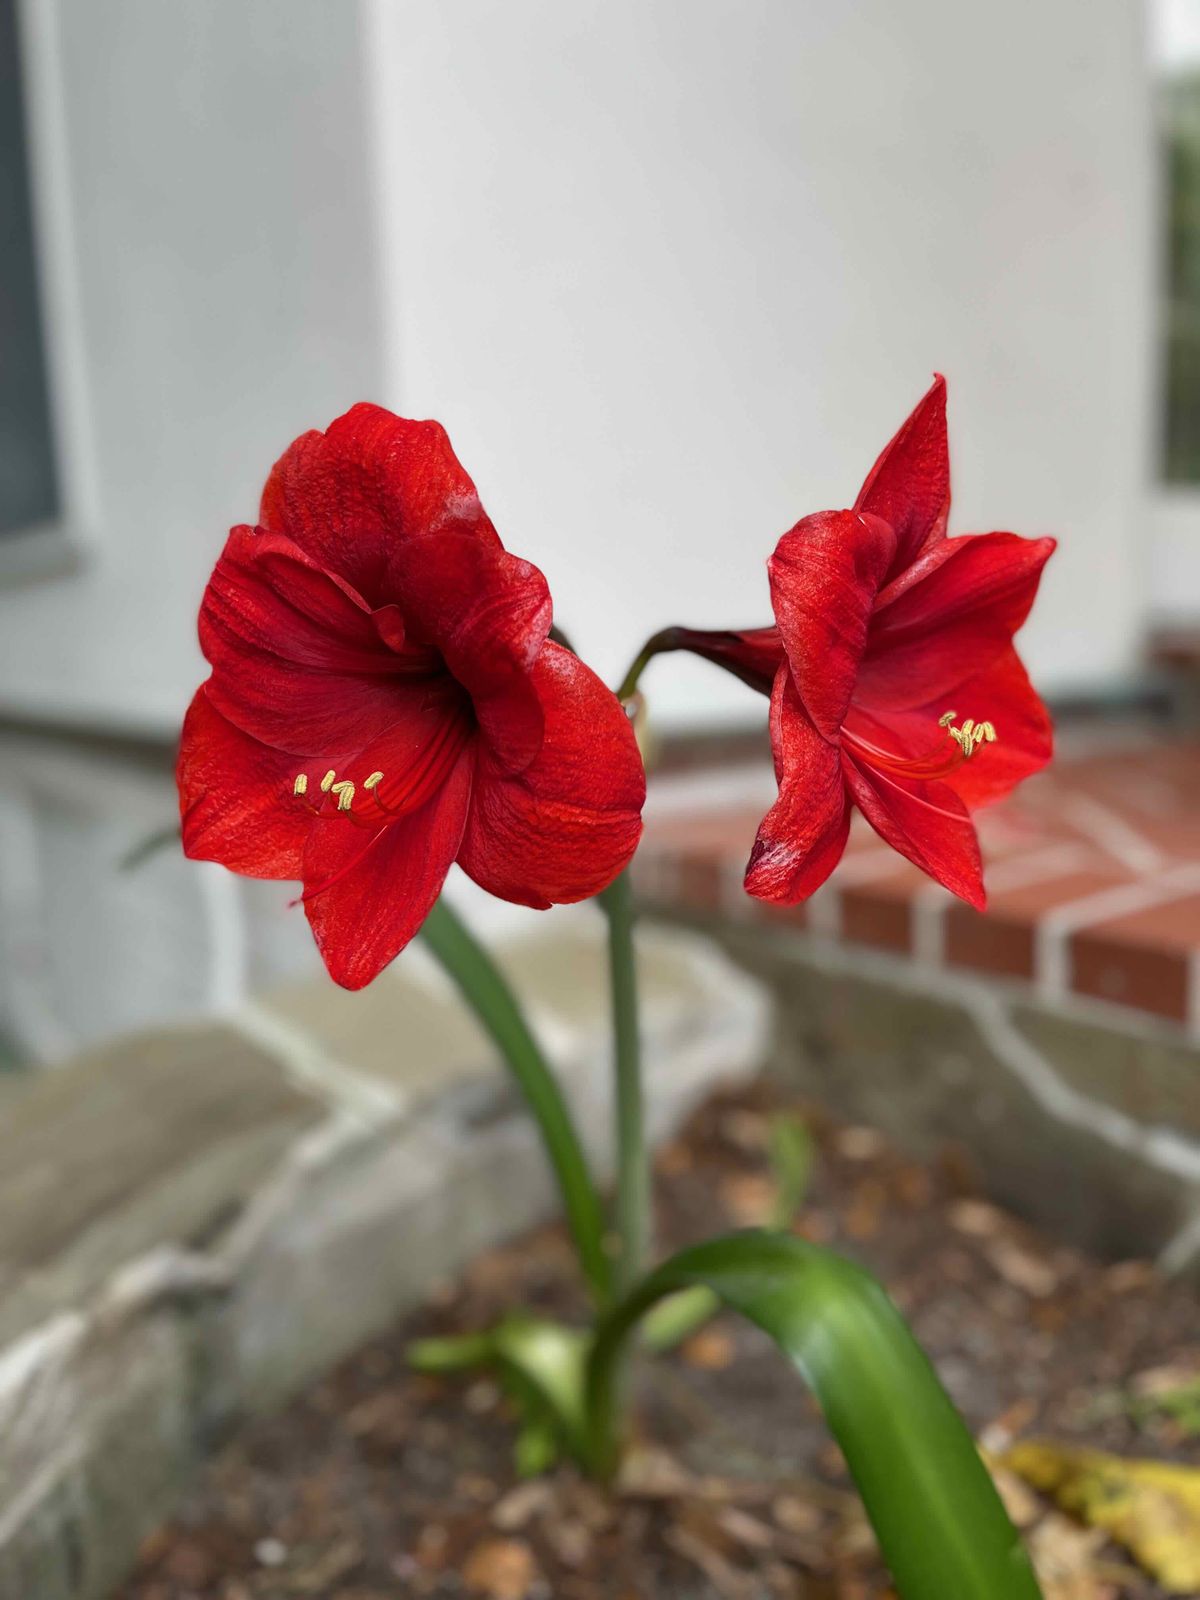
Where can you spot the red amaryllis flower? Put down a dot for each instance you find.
(385, 700)
(893, 679)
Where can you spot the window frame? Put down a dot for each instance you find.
(58, 545)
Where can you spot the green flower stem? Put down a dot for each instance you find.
(633, 1166)
(940, 1523)
(487, 992)
(668, 639)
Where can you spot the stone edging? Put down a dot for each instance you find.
(289, 1239)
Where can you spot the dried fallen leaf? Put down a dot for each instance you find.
(711, 1349)
(473, 1486)
(673, 1159)
(866, 1209)
(795, 1515)
(519, 1506)
(647, 1473)
(1156, 1382)
(501, 1569)
(975, 1218)
(913, 1187)
(748, 1197)
(595, 1509)
(748, 1130)
(482, 1396)
(860, 1144)
(1031, 1274)
(1064, 1557)
(1152, 1508)
(1012, 1421)
(432, 1548)
(571, 1542)
(320, 1577)
(1130, 1277)
(744, 1529)
(725, 1578)
(1022, 1505)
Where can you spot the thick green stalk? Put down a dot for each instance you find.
(487, 992)
(667, 639)
(940, 1523)
(633, 1165)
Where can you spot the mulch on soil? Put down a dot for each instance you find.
(379, 1482)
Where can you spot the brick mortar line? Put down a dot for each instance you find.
(930, 905)
(309, 1065)
(1183, 1249)
(1053, 931)
(1042, 865)
(1114, 835)
(1157, 1144)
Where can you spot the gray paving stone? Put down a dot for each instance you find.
(197, 1221)
(1070, 1121)
(151, 1140)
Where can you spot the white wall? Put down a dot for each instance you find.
(1175, 558)
(214, 220)
(672, 272)
(669, 270)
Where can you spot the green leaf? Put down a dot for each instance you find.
(938, 1518)
(487, 992)
(543, 1365)
(791, 1155)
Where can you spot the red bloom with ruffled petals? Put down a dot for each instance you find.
(385, 701)
(893, 679)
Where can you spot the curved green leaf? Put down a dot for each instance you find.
(543, 1363)
(487, 992)
(938, 1518)
(791, 1151)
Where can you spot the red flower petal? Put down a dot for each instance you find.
(413, 758)
(1024, 733)
(824, 576)
(565, 827)
(926, 822)
(802, 837)
(235, 798)
(366, 895)
(909, 486)
(949, 617)
(488, 614)
(266, 595)
(298, 661)
(1004, 696)
(349, 495)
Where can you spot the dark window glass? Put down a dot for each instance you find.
(1181, 122)
(28, 481)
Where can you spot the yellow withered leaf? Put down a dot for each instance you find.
(1150, 1507)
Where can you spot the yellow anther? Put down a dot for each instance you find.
(344, 792)
(301, 784)
(327, 781)
(971, 735)
(369, 783)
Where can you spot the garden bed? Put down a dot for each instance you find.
(380, 1482)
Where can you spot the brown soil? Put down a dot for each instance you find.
(381, 1483)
